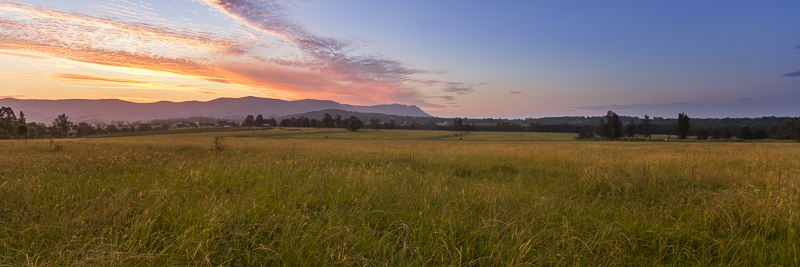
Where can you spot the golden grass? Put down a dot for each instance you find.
(396, 198)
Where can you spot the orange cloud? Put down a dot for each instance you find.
(12, 96)
(86, 78)
(327, 70)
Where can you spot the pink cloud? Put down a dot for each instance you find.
(329, 68)
(515, 92)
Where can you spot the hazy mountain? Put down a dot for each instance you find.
(108, 110)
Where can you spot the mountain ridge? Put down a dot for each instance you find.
(109, 110)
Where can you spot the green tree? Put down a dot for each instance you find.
(353, 124)
(683, 127)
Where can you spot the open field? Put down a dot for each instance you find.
(396, 198)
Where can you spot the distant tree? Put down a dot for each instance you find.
(392, 124)
(314, 123)
(611, 127)
(327, 121)
(716, 134)
(85, 129)
(458, 124)
(144, 127)
(286, 123)
(259, 121)
(759, 134)
(644, 127)
(375, 123)
(683, 127)
(630, 129)
(303, 122)
(272, 122)
(702, 135)
(338, 122)
(789, 130)
(745, 133)
(62, 126)
(353, 124)
(7, 121)
(21, 119)
(585, 135)
(249, 121)
(726, 134)
(165, 127)
(22, 130)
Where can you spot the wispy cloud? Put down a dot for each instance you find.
(330, 57)
(12, 96)
(78, 77)
(793, 74)
(325, 67)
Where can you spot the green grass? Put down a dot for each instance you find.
(392, 198)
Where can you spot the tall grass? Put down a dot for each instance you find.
(417, 199)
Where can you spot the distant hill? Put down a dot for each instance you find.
(108, 110)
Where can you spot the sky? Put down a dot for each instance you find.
(477, 59)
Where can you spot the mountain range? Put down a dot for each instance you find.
(113, 110)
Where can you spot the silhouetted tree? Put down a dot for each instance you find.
(682, 128)
(644, 127)
(458, 124)
(249, 121)
(702, 135)
(759, 134)
(789, 130)
(716, 134)
(259, 121)
(144, 127)
(726, 134)
(62, 125)
(353, 124)
(338, 121)
(745, 133)
(22, 130)
(611, 127)
(375, 123)
(327, 121)
(630, 129)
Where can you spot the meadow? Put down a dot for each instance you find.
(396, 198)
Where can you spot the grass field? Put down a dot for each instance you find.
(396, 198)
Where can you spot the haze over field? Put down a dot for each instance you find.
(451, 58)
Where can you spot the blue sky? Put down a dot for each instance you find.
(513, 59)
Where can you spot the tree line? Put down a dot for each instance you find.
(610, 126)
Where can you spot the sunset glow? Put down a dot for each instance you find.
(451, 59)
